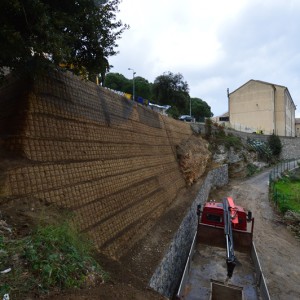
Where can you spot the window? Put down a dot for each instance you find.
(214, 218)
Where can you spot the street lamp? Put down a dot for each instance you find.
(133, 89)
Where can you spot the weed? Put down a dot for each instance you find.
(54, 256)
(251, 169)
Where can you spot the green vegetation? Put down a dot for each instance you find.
(275, 145)
(232, 141)
(251, 169)
(80, 34)
(216, 135)
(53, 257)
(286, 192)
(167, 89)
(262, 149)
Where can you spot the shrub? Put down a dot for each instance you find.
(251, 169)
(275, 145)
(52, 257)
(208, 128)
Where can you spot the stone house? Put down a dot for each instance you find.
(262, 107)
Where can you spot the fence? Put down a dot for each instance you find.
(281, 199)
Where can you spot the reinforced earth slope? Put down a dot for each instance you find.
(79, 146)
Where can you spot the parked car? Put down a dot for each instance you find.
(186, 118)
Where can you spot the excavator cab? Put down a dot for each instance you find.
(224, 224)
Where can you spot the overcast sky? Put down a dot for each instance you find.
(214, 44)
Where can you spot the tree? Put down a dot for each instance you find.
(120, 83)
(275, 144)
(200, 109)
(117, 81)
(171, 89)
(142, 87)
(81, 34)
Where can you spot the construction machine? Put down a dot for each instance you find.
(223, 262)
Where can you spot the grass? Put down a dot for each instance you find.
(286, 192)
(53, 257)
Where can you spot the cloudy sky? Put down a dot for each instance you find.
(214, 44)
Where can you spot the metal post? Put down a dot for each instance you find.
(133, 87)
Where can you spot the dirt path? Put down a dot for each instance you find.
(278, 249)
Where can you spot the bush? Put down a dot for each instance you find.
(275, 145)
(208, 128)
(251, 169)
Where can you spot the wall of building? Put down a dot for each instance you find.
(262, 106)
(253, 105)
(79, 146)
(297, 129)
(289, 115)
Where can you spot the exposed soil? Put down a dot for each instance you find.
(129, 277)
(278, 249)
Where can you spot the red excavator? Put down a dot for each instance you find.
(223, 225)
(231, 217)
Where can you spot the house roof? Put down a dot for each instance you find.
(226, 114)
(297, 120)
(268, 83)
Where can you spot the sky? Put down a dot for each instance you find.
(214, 44)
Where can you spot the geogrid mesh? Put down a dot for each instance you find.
(108, 159)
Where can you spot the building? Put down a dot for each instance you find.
(297, 127)
(263, 107)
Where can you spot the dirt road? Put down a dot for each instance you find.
(278, 249)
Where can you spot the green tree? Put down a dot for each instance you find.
(118, 82)
(78, 33)
(171, 89)
(200, 109)
(275, 145)
(142, 87)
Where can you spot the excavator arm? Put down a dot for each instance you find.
(230, 258)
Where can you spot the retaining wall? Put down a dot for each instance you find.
(81, 147)
(167, 276)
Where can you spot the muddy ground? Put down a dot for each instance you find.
(278, 249)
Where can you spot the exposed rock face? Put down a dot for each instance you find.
(237, 160)
(193, 157)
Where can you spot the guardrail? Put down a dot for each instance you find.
(186, 269)
(260, 279)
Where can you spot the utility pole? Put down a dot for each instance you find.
(133, 87)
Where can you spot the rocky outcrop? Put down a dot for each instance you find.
(193, 157)
(238, 160)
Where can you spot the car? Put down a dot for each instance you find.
(186, 118)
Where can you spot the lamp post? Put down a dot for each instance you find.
(133, 89)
